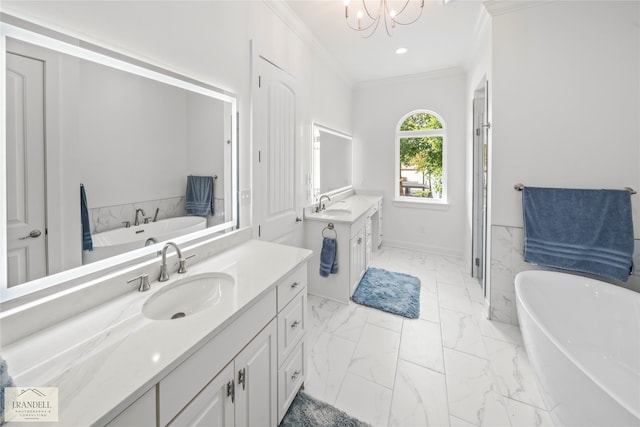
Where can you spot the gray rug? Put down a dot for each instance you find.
(305, 411)
(396, 293)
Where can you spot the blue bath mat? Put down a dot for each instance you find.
(397, 293)
(305, 411)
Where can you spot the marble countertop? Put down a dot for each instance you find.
(104, 359)
(357, 205)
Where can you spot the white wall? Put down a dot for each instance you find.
(210, 41)
(566, 112)
(565, 100)
(378, 107)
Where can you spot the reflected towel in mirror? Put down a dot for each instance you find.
(199, 197)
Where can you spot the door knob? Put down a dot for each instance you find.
(32, 235)
(298, 219)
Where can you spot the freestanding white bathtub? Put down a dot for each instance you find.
(120, 240)
(582, 337)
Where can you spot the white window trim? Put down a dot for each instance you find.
(405, 201)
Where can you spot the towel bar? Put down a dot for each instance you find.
(519, 186)
(330, 227)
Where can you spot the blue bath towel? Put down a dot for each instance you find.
(328, 257)
(199, 197)
(87, 243)
(5, 381)
(589, 231)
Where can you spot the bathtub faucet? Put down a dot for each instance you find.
(137, 219)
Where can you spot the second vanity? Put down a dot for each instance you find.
(238, 362)
(356, 224)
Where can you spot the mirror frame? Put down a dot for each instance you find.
(315, 127)
(15, 28)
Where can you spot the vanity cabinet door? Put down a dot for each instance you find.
(213, 406)
(256, 380)
(357, 259)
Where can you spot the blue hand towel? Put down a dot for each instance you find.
(590, 231)
(329, 257)
(5, 381)
(199, 197)
(87, 243)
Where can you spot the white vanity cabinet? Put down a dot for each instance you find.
(292, 319)
(357, 235)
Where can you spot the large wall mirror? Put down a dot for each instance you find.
(97, 149)
(332, 161)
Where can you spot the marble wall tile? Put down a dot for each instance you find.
(507, 260)
(419, 397)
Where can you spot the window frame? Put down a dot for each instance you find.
(399, 134)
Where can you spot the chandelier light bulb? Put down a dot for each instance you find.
(409, 12)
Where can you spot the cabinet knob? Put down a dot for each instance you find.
(294, 285)
(295, 324)
(295, 375)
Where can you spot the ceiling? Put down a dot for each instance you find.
(442, 37)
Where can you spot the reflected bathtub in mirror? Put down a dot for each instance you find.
(129, 131)
(121, 240)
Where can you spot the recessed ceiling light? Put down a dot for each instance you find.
(401, 50)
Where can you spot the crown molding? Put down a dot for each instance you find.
(429, 75)
(502, 7)
(293, 21)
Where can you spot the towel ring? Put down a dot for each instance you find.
(330, 227)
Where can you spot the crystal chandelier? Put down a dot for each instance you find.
(367, 19)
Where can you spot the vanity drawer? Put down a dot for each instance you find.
(291, 285)
(290, 377)
(291, 325)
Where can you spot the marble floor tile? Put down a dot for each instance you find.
(472, 394)
(327, 363)
(454, 298)
(421, 344)
(460, 332)
(385, 320)
(451, 366)
(523, 415)
(513, 372)
(365, 400)
(376, 355)
(419, 397)
(429, 307)
(347, 321)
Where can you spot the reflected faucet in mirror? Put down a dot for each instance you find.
(136, 221)
(194, 121)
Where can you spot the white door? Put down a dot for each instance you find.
(256, 387)
(274, 137)
(26, 228)
(213, 406)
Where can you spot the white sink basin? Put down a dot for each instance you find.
(189, 295)
(337, 212)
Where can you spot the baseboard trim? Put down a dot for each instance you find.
(420, 247)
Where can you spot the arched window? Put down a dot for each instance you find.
(420, 158)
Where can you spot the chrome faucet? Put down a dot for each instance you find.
(164, 275)
(320, 206)
(137, 220)
(182, 268)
